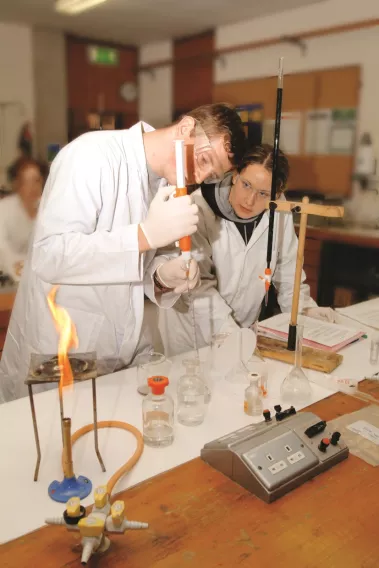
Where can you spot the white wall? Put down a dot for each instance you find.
(49, 55)
(16, 86)
(155, 88)
(358, 47)
(320, 15)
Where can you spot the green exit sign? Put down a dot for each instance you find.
(103, 55)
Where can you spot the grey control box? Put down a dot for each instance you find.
(272, 458)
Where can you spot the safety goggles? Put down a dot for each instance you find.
(206, 157)
(260, 194)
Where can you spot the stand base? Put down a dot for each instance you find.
(62, 491)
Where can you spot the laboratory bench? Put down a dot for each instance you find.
(198, 517)
(341, 264)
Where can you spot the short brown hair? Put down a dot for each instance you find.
(22, 163)
(264, 154)
(222, 118)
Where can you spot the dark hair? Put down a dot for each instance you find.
(222, 118)
(19, 165)
(264, 154)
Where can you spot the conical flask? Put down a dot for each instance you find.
(296, 388)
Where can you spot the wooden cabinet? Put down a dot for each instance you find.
(6, 305)
(342, 265)
(4, 321)
(312, 262)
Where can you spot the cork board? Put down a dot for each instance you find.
(323, 89)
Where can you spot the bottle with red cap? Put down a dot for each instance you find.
(158, 414)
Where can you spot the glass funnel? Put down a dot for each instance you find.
(296, 388)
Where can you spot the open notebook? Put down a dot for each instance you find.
(318, 334)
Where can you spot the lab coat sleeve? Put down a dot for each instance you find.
(284, 273)
(67, 247)
(168, 299)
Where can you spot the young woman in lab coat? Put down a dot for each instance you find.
(104, 212)
(17, 215)
(230, 246)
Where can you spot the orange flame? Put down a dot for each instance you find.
(68, 338)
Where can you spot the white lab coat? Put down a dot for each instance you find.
(230, 271)
(15, 232)
(86, 240)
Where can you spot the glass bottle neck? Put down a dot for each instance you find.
(299, 345)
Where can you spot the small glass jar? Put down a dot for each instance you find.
(158, 414)
(191, 400)
(253, 403)
(194, 366)
(256, 364)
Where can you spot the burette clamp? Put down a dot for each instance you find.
(267, 278)
(272, 205)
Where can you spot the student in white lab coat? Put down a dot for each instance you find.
(230, 247)
(17, 215)
(104, 211)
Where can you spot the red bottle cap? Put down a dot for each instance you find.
(158, 384)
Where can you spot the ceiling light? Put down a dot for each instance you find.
(76, 6)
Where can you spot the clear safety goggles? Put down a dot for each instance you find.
(260, 194)
(206, 157)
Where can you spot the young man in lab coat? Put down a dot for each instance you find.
(230, 247)
(104, 212)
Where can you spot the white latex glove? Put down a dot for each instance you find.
(324, 314)
(168, 220)
(173, 275)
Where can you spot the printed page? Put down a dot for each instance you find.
(366, 313)
(316, 331)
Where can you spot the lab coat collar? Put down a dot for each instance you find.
(136, 137)
(136, 133)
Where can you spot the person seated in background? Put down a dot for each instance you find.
(17, 215)
(231, 246)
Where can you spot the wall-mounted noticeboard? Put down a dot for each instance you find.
(321, 161)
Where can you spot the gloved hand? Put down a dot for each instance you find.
(324, 314)
(173, 275)
(168, 220)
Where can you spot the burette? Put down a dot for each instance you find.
(185, 242)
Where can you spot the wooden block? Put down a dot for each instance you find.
(324, 361)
